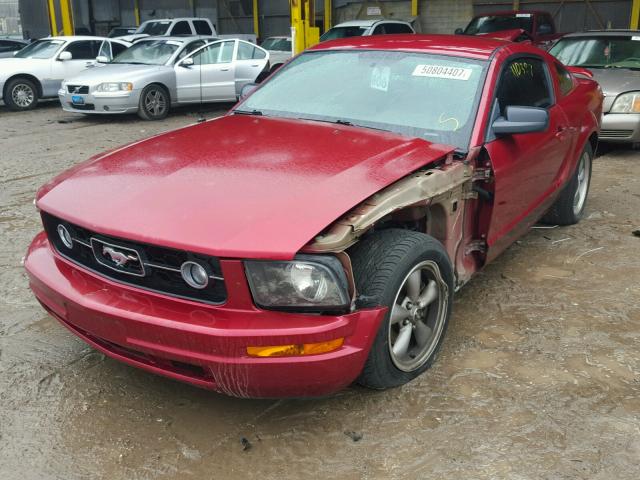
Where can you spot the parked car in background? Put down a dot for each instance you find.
(173, 27)
(280, 50)
(36, 72)
(357, 28)
(613, 56)
(9, 46)
(121, 31)
(534, 25)
(316, 234)
(160, 72)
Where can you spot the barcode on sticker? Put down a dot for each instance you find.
(442, 71)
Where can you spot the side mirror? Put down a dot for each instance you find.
(247, 89)
(521, 120)
(102, 59)
(64, 56)
(580, 71)
(459, 31)
(187, 62)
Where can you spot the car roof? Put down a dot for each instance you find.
(185, 39)
(470, 46)
(367, 23)
(73, 37)
(604, 33)
(174, 19)
(279, 36)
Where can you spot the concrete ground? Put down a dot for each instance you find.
(539, 377)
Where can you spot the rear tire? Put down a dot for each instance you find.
(569, 207)
(154, 103)
(21, 94)
(411, 274)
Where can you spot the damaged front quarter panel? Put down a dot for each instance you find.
(447, 185)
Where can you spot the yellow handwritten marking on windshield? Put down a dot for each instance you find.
(442, 120)
(519, 69)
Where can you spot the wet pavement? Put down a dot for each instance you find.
(539, 377)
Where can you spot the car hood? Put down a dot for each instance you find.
(115, 72)
(238, 186)
(615, 81)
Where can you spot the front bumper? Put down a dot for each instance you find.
(620, 128)
(201, 344)
(100, 103)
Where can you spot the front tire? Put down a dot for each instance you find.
(154, 103)
(569, 207)
(411, 274)
(21, 94)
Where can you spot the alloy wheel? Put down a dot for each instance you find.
(23, 95)
(418, 316)
(584, 172)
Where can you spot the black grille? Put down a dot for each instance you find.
(161, 265)
(83, 89)
(615, 133)
(84, 106)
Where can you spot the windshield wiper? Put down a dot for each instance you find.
(344, 122)
(248, 112)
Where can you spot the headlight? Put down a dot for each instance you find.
(115, 87)
(308, 283)
(627, 103)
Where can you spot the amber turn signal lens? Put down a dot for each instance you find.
(293, 349)
(636, 104)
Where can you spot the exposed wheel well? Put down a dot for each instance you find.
(26, 76)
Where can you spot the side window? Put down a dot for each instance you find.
(248, 51)
(202, 27)
(545, 25)
(117, 48)
(565, 79)
(217, 53)
(105, 50)
(84, 49)
(524, 83)
(181, 28)
(258, 54)
(379, 30)
(6, 46)
(192, 47)
(398, 28)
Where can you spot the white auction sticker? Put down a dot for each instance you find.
(442, 71)
(635, 38)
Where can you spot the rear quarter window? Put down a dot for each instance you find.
(202, 27)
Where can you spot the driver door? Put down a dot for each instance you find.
(525, 166)
(211, 76)
(83, 55)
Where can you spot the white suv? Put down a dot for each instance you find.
(357, 28)
(173, 27)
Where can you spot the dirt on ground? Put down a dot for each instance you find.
(539, 377)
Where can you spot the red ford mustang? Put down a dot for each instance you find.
(316, 234)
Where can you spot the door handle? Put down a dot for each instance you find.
(224, 69)
(256, 65)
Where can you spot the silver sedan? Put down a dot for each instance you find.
(160, 72)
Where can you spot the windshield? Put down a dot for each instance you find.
(599, 52)
(155, 28)
(149, 52)
(342, 32)
(277, 44)
(40, 49)
(405, 93)
(499, 23)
